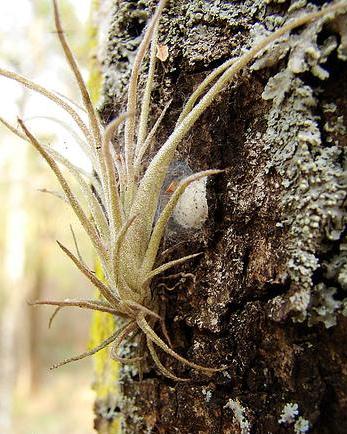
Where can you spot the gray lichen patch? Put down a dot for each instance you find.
(330, 299)
(197, 33)
(289, 413)
(139, 406)
(124, 36)
(240, 415)
(313, 173)
(289, 416)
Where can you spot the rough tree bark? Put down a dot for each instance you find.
(267, 297)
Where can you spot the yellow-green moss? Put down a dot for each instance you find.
(106, 370)
(95, 77)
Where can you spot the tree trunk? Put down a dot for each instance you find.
(267, 297)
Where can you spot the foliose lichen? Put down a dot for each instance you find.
(239, 415)
(312, 168)
(289, 413)
(302, 425)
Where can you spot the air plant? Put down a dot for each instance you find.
(123, 197)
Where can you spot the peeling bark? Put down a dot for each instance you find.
(267, 297)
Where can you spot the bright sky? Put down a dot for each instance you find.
(16, 53)
(11, 17)
(83, 8)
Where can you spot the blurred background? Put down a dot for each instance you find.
(33, 399)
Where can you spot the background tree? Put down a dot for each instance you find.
(31, 396)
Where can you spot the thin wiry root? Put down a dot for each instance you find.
(170, 264)
(159, 365)
(125, 331)
(165, 332)
(181, 275)
(150, 333)
(103, 344)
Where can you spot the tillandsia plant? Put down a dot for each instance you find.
(123, 197)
